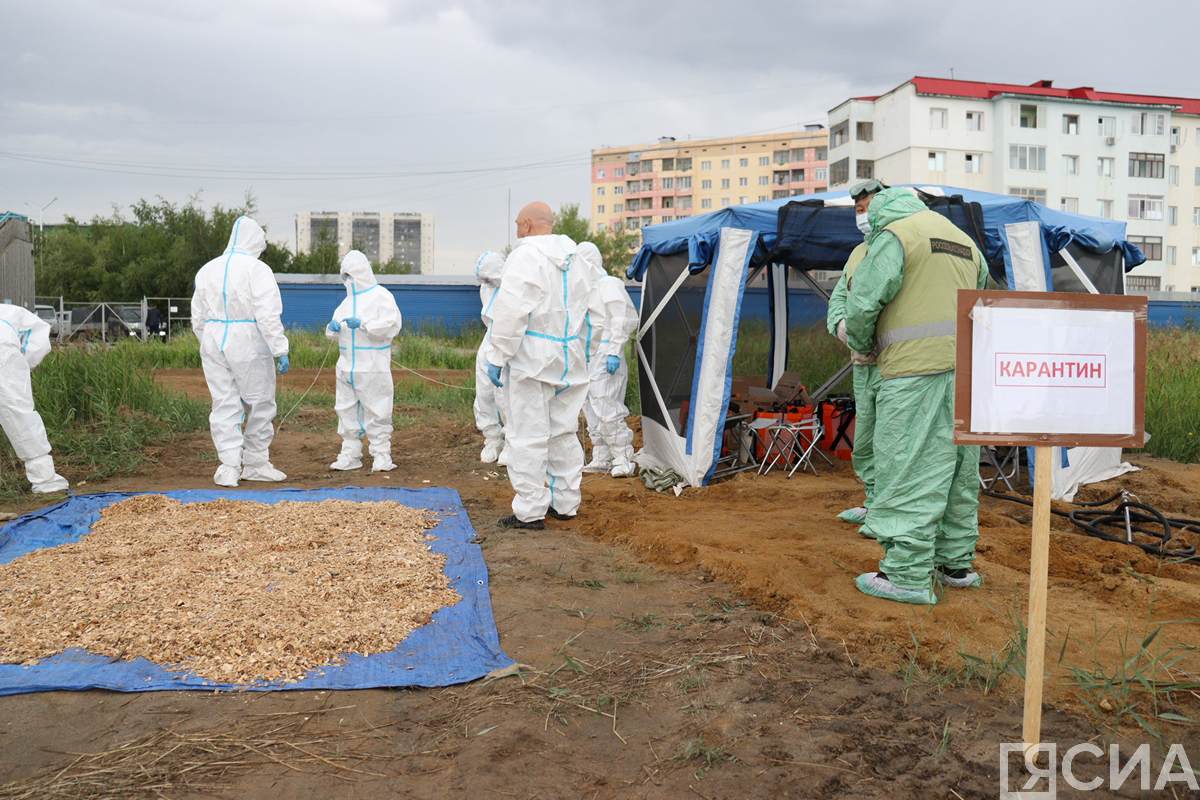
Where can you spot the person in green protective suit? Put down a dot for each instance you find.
(865, 373)
(902, 302)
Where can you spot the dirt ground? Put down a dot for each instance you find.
(707, 646)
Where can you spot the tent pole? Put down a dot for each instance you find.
(816, 286)
(828, 385)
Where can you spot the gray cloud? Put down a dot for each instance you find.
(223, 97)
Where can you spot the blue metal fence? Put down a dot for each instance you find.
(453, 306)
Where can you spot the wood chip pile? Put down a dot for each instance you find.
(231, 590)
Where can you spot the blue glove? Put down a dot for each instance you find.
(612, 364)
(334, 325)
(283, 364)
(493, 373)
(353, 322)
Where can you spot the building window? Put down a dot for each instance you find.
(764, 180)
(1027, 157)
(634, 205)
(600, 172)
(1104, 209)
(647, 221)
(1069, 205)
(1196, 177)
(1196, 256)
(618, 172)
(864, 168)
(1028, 193)
(780, 157)
(631, 224)
(937, 119)
(821, 174)
(1149, 124)
(684, 182)
(1176, 133)
(705, 165)
(724, 183)
(618, 190)
(764, 161)
(1173, 175)
(724, 202)
(668, 165)
(683, 164)
(1146, 165)
(618, 208)
(839, 134)
(668, 183)
(668, 202)
(937, 161)
(743, 200)
(1140, 284)
(600, 226)
(1071, 124)
(1108, 126)
(780, 177)
(1144, 206)
(839, 171)
(600, 209)
(1104, 167)
(864, 131)
(743, 181)
(762, 197)
(973, 163)
(600, 191)
(1071, 165)
(780, 193)
(974, 120)
(706, 183)
(1027, 116)
(1196, 216)
(724, 163)
(743, 162)
(822, 153)
(797, 175)
(706, 202)
(684, 203)
(1171, 255)
(1172, 215)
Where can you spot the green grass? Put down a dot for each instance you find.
(101, 410)
(1173, 394)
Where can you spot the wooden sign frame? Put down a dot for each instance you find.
(969, 298)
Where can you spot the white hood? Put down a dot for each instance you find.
(358, 267)
(489, 267)
(554, 246)
(247, 237)
(589, 254)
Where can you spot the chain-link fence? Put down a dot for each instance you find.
(108, 321)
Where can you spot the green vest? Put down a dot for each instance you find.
(915, 332)
(856, 257)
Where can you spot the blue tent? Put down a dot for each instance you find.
(694, 273)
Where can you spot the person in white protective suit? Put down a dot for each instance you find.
(489, 399)
(604, 409)
(24, 342)
(537, 333)
(236, 316)
(364, 325)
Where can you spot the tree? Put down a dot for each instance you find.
(616, 247)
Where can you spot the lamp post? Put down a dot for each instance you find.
(42, 229)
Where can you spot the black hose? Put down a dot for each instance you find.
(1158, 540)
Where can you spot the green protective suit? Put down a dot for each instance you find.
(866, 386)
(925, 507)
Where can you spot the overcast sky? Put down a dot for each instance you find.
(444, 107)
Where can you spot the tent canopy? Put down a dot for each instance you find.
(699, 236)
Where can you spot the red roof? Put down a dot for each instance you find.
(986, 91)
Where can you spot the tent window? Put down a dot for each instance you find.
(670, 344)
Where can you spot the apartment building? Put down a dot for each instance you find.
(1107, 154)
(640, 185)
(405, 238)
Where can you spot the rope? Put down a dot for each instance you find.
(433, 380)
(325, 358)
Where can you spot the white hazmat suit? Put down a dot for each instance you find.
(489, 399)
(236, 315)
(605, 410)
(24, 342)
(364, 368)
(538, 330)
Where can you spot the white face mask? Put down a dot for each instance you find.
(863, 223)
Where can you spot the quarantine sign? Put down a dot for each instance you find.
(1043, 365)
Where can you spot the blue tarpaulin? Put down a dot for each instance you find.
(698, 236)
(460, 644)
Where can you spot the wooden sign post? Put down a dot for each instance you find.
(1046, 370)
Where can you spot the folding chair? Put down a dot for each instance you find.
(793, 439)
(738, 439)
(1005, 463)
